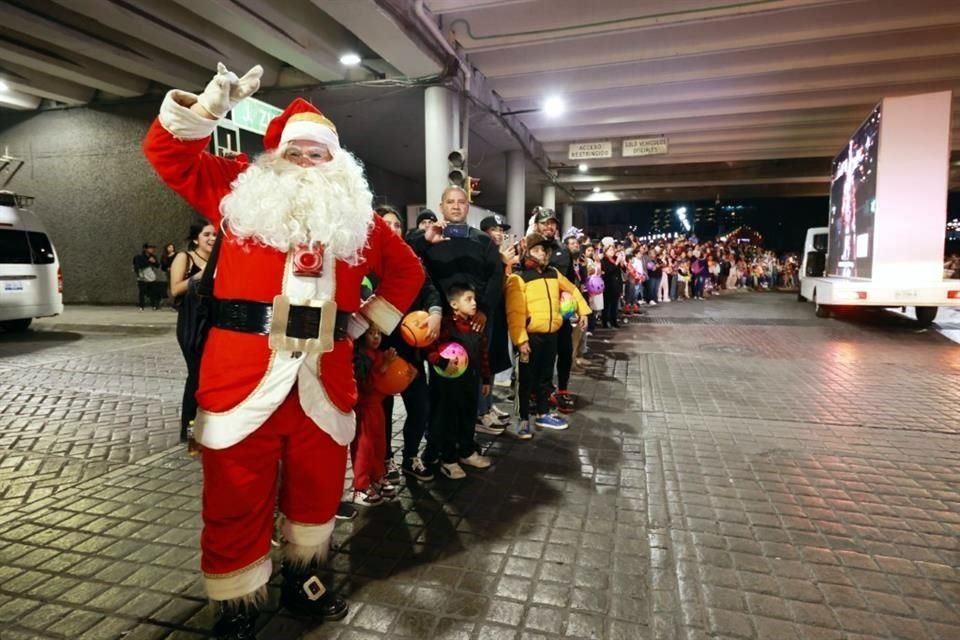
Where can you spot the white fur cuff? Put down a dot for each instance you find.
(182, 123)
(381, 313)
(239, 584)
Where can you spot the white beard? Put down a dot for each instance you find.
(276, 203)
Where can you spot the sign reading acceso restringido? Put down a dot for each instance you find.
(590, 150)
(254, 115)
(649, 146)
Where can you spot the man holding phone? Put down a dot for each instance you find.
(454, 253)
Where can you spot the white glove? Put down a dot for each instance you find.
(357, 325)
(226, 90)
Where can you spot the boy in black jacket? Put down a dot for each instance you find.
(453, 401)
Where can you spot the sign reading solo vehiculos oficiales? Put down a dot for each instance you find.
(590, 150)
(649, 146)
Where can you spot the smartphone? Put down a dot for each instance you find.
(456, 231)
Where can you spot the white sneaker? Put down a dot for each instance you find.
(500, 413)
(476, 461)
(369, 498)
(453, 471)
(490, 424)
(652, 303)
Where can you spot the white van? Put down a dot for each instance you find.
(31, 284)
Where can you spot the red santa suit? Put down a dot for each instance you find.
(260, 406)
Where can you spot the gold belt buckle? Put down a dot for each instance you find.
(322, 343)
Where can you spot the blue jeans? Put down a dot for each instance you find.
(652, 286)
(699, 281)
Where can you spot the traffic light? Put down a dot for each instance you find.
(473, 188)
(457, 170)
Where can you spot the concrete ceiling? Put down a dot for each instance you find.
(754, 97)
(75, 51)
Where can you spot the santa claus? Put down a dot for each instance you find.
(276, 376)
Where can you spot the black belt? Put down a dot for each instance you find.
(256, 317)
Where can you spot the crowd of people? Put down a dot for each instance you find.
(637, 272)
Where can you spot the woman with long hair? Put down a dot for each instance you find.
(185, 272)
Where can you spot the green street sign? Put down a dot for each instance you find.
(254, 115)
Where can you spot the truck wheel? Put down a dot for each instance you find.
(821, 310)
(926, 316)
(15, 326)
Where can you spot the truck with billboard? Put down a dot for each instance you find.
(884, 243)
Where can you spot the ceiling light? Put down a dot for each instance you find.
(582, 167)
(350, 60)
(4, 86)
(596, 189)
(554, 106)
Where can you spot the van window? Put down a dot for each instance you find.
(7, 199)
(14, 248)
(820, 242)
(40, 249)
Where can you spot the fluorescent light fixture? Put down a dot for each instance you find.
(554, 106)
(4, 86)
(582, 167)
(681, 211)
(350, 60)
(596, 189)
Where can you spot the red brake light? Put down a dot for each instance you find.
(59, 279)
(861, 295)
(953, 295)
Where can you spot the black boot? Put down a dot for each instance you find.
(235, 622)
(304, 593)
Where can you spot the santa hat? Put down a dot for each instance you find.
(301, 121)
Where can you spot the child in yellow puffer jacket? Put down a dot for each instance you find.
(533, 319)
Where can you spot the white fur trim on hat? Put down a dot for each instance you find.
(313, 131)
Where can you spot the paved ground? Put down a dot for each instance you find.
(739, 469)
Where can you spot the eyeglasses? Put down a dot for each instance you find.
(313, 155)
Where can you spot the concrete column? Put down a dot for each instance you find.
(549, 197)
(516, 192)
(438, 141)
(566, 220)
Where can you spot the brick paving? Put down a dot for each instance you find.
(738, 469)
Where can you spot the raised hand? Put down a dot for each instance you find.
(226, 90)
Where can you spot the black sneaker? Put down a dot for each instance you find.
(414, 467)
(565, 402)
(393, 473)
(346, 511)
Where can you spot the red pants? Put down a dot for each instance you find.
(368, 450)
(240, 494)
